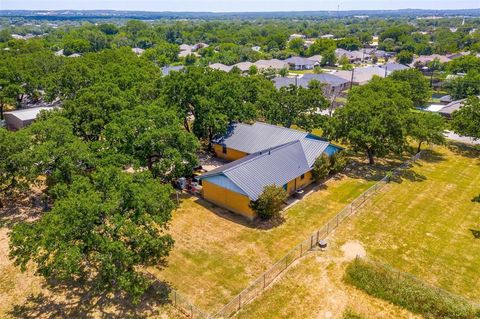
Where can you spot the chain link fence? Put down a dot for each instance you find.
(259, 284)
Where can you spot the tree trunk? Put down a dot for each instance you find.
(185, 124)
(371, 156)
(419, 146)
(1, 111)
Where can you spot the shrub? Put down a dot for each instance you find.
(408, 292)
(321, 167)
(338, 161)
(270, 201)
(349, 314)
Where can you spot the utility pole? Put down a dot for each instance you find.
(351, 81)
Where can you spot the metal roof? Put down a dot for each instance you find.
(297, 60)
(327, 78)
(257, 137)
(28, 114)
(280, 155)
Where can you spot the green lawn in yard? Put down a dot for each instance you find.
(216, 257)
(423, 223)
(426, 224)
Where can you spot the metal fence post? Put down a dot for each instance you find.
(337, 220)
(264, 281)
(318, 233)
(311, 241)
(301, 250)
(175, 298)
(191, 311)
(239, 301)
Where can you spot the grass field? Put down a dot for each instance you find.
(216, 257)
(425, 224)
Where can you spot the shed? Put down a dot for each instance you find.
(18, 119)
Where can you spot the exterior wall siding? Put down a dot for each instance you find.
(228, 199)
(231, 154)
(299, 183)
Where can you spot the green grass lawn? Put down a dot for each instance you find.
(216, 256)
(426, 224)
(423, 223)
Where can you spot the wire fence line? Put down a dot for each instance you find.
(264, 280)
(182, 303)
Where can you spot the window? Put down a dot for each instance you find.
(224, 149)
(303, 176)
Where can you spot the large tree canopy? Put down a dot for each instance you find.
(374, 120)
(466, 121)
(101, 229)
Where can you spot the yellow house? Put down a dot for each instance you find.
(261, 155)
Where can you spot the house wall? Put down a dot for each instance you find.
(231, 154)
(228, 199)
(14, 123)
(299, 183)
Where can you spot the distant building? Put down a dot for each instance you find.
(220, 66)
(361, 76)
(394, 66)
(18, 119)
(167, 69)
(138, 51)
(297, 36)
(273, 64)
(332, 83)
(256, 48)
(300, 63)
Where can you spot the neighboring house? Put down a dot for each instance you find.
(300, 63)
(423, 60)
(333, 83)
(393, 66)
(59, 53)
(352, 56)
(199, 46)
(243, 66)
(317, 59)
(297, 36)
(256, 48)
(446, 99)
(19, 119)
(138, 51)
(262, 155)
(361, 76)
(273, 64)
(167, 69)
(451, 107)
(221, 67)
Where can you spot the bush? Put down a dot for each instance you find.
(349, 314)
(408, 292)
(270, 201)
(321, 167)
(338, 161)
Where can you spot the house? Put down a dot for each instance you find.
(296, 36)
(243, 66)
(273, 64)
(15, 120)
(393, 66)
(446, 99)
(261, 155)
(451, 107)
(167, 69)
(300, 63)
(352, 56)
(361, 76)
(333, 84)
(327, 36)
(423, 60)
(256, 48)
(138, 51)
(221, 67)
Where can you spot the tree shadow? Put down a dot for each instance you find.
(226, 214)
(475, 233)
(432, 156)
(77, 300)
(20, 209)
(409, 175)
(465, 150)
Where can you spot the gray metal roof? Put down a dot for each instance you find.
(394, 66)
(28, 114)
(280, 155)
(327, 78)
(257, 137)
(167, 69)
(297, 60)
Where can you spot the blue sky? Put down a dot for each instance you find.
(238, 5)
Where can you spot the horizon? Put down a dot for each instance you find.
(223, 6)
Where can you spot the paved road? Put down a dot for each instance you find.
(464, 139)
